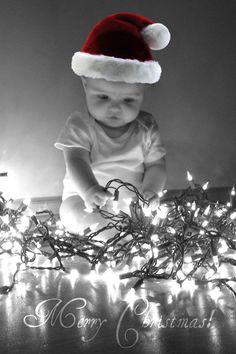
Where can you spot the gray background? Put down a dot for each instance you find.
(194, 101)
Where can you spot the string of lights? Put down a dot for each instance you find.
(186, 238)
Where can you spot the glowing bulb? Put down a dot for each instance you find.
(154, 238)
(190, 180)
(180, 275)
(47, 263)
(162, 211)
(137, 261)
(175, 288)
(233, 215)
(38, 245)
(112, 281)
(9, 204)
(115, 208)
(216, 261)
(207, 210)
(27, 201)
(215, 294)
(147, 210)
(93, 227)
(188, 259)
(8, 185)
(16, 247)
(30, 212)
(126, 268)
(5, 219)
(24, 223)
(160, 194)
(88, 210)
(189, 285)
(127, 201)
(108, 276)
(219, 213)
(134, 249)
(196, 212)
(131, 297)
(210, 273)
(189, 176)
(171, 230)
(193, 206)
(169, 299)
(7, 246)
(198, 251)
(204, 223)
(93, 276)
(59, 224)
(90, 252)
(149, 254)
(73, 276)
(169, 267)
(112, 264)
(205, 186)
(232, 196)
(155, 252)
(222, 246)
(155, 219)
(59, 232)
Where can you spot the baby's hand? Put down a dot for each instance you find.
(152, 198)
(96, 196)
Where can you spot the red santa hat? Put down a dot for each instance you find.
(118, 48)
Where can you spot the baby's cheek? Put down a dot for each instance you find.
(133, 112)
(99, 109)
(102, 106)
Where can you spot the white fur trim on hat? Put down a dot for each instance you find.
(157, 36)
(115, 69)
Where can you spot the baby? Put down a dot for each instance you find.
(111, 137)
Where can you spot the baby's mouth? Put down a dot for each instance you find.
(114, 118)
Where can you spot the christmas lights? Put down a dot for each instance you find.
(187, 239)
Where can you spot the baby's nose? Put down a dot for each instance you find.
(114, 107)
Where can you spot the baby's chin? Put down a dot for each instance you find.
(115, 123)
(114, 130)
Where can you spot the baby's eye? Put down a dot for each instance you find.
(129, 100)
(103, 97)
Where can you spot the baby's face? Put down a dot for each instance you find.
(113, 104)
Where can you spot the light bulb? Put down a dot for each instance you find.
(205, 186)
(189, 176)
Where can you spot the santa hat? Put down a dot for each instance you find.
(118, 48)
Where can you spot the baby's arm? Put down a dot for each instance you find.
(154, 180)
(78, 165)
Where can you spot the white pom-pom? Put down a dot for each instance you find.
(157, 36)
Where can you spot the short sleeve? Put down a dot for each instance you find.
(75, 133)
(154, 147)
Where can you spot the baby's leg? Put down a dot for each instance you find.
(76, 220)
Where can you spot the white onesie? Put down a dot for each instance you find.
(123, 157)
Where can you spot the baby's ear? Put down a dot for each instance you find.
(84, 81)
